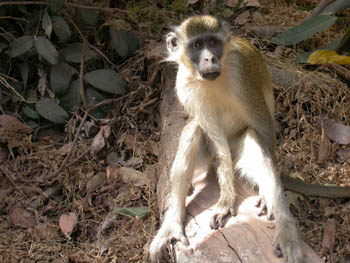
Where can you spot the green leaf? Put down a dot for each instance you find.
(21, 45)
(51, 111)
(106, 80)
(73, 53)
(305, 30)
(47, 50)
(60, 77)
(89, 16)
(47, 25)
(132, 41)
(92, 98)
(56, 5)
(335, 7)
(29, 112)
(72, 97)
(61, 28)
(118, 41)
(24, 70)
(136, 212)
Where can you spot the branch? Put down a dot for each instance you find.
(24, 3)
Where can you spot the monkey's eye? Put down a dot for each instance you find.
(198, 44)
(212, 42)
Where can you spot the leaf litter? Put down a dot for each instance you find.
(94, 188)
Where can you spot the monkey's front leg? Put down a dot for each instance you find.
(180, 178)
(227, 200)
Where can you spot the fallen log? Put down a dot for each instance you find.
(245, 238)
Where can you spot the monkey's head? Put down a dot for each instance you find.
(199, 44)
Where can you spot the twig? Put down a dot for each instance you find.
(65, 161)
(7, 85)
(106, 9)
(90, 46)
(13, 18)
(24, 3)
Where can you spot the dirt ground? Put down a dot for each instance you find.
(102, 206)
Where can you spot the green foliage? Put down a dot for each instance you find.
(305, 30)
(45, 59)
(310, 27)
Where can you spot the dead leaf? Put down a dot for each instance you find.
(111, 174)
(265, 31)
(135, 177)
(322, 56)
(99, 141)
(233, 3)
(12, 124)
(67, 223)
(344, 154)
(191, 2)
(328, 235)
(96, 182)
(22, 217)
(65, 149)
(112, 159)
(134, 162)
(325, 147)
(242, 18)
(337, 131)
(152, 147)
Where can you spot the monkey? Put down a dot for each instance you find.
(223, 85)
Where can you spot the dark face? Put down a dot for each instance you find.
(205, 53)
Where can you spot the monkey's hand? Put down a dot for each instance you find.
(168, 232)
(287, 242)
(221, 210)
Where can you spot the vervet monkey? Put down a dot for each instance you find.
(224, 86)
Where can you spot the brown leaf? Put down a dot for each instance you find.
(265, 31)
(325, 147)
(12, 124)
(328, 235)
(112, 159)
(67, 223)
(99, 141)
(96, 182)
(344, 154)
(133, 176)
(242, 18)
(112, 174)
(22, 217)
(65, 148)
(337, 131)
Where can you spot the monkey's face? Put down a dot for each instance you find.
(205, 53)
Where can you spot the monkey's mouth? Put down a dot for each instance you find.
(210, 75)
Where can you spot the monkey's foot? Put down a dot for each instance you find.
(264, 208)
(287, 243)
(220, 212)
(168, 232)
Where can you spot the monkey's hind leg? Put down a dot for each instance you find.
(256, 164)
(187, 158)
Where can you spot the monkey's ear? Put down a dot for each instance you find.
(171, 42)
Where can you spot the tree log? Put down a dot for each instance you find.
(245, 237)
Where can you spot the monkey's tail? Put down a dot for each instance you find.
(301, 187)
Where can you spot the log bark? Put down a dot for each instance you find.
(246, 237)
